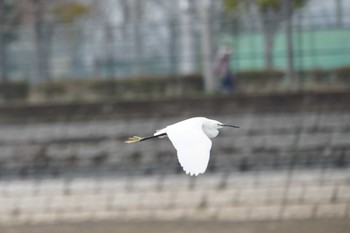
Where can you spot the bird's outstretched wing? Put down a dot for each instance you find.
(192, 145)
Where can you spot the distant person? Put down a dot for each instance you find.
(223, 71)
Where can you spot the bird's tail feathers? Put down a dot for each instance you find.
(133, 139)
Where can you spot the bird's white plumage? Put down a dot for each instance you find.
(191, 139)
(192, 144)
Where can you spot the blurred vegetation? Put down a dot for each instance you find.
(14, 90)
(342, 74)
(136, 88)
(150, 87)
(319, 76)
(264, 6)
(68, 12)
(52, 89)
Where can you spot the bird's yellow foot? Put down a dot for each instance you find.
(133, 139)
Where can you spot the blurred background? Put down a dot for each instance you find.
(78, 77)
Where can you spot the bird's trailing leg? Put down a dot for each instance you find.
(139, 139)
(133, 139)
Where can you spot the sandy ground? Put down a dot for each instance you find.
(301, 226)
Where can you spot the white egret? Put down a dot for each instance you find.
(191, 139)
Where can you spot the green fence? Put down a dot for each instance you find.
(313, 49)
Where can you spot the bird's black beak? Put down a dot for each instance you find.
(232, 126)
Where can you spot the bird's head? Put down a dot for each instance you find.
(218, 125)
(211, 127)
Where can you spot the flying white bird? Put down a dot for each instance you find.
(191, 139)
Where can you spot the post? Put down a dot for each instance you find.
(206, 45)
(286, 11)
(138, 51)
(339, 12)
(3, 68)
(187, 63)
(4, 91)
